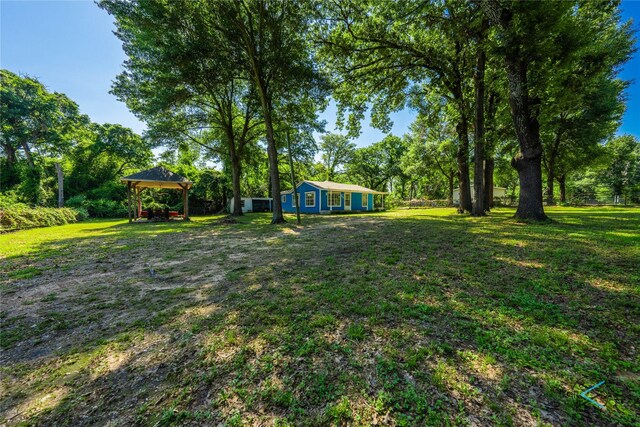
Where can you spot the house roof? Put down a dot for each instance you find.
(157, 177)
(337, 186)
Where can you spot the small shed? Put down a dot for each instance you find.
(157, 177)
(254, 204)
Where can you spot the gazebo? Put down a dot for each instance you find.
(157, 177)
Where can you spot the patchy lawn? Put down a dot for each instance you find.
(414, 317)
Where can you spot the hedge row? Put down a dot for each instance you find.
(19, 216)
(98, 208)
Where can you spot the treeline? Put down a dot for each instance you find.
(522, 94)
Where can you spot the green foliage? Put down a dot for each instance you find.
(376, 166)
(20, 216)
(99, 208)
(337, 151)
(40, 128)
(623, 171)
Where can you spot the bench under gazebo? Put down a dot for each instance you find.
(157, 177)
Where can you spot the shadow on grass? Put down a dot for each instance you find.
(418, 319)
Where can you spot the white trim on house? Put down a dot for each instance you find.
(347, 208)
(306, 200)
(283, 199)
(365, 200)
(331, 193)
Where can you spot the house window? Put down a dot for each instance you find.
(334, 199)
(310, 199)
(242, 203)
(365, 200)
(284, 199)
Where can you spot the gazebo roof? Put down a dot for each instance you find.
(157, 177)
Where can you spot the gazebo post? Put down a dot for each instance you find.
(129, 200)
(139, 204)
(185, 201)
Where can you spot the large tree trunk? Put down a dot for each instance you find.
(462, 129)
(465, 204)
(489, 166)
(236, 173)
(272, 153)
(478, 146)
(528, 161)
(60, 185)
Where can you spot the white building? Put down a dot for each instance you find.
(254, 204)
(498, 193)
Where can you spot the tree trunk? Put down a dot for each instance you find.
(27, 153)
(450, 178)
(11, 153)
(60, 185)
(489, 166)
(563, 189)
(550, 178)
(528, 161)
(294, 194)
(236, 173)
(465, 204)
(478, 146)
(272, 152)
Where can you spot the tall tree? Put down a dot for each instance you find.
(37, 123)
(432, 148)
(376, 166)
(336, 151)
(262, 43)
(177, 79)
(269, 42)
(585, 100)
(378, 50)
(623, 172)
(539, 41)
(479, 136)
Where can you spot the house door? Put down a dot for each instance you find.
(347, 201)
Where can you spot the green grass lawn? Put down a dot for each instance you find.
(408, 317)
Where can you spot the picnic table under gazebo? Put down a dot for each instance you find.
(157, 177)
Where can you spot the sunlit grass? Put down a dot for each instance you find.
(406, 317)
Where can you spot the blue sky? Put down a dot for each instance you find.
(69, 46)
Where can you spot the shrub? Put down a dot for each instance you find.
(20, 216)
(76, 201)
(99, 208)
(103, 208)
(9, 199)
(82, 213)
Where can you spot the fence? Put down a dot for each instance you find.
(576, 199)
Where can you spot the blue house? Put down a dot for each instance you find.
(327, 197)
